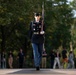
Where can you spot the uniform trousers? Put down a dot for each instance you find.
(37, 52)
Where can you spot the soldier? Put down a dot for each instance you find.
(37, 39)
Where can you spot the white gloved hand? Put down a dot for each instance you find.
(42, 32)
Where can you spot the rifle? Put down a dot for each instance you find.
(42, 32)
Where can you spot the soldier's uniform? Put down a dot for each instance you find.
(37, 40)
(35, 35)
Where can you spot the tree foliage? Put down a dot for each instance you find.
(59, 19)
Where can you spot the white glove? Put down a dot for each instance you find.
(42, 32)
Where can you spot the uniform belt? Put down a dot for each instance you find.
(36, 33)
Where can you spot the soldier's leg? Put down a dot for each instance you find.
(36, 54)
(40, 49)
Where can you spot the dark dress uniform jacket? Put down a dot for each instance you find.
(36, 28)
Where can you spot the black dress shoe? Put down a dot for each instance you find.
(37, 68)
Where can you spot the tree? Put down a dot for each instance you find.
(59, 19)
(12, 12)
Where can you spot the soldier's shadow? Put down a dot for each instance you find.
(33, 71)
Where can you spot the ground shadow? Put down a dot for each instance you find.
(33, 71)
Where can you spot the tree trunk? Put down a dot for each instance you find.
(3, 38)
(71, 46)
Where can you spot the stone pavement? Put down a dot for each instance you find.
(34, 72)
